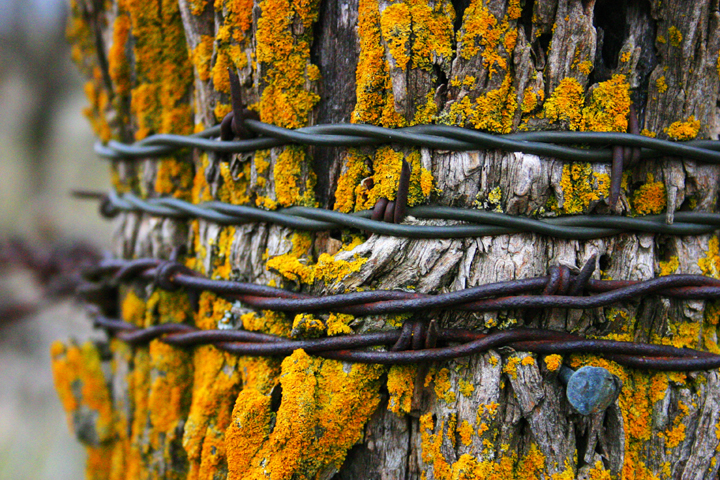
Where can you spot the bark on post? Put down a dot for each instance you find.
(160, 66)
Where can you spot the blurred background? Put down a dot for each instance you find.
(45, 151)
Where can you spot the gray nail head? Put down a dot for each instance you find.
(591, 389)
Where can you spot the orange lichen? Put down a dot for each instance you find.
(169, 399)
(290, 166)
(553, 362)
(466, 388)
(202, 57)
(307, 325)
(661, 84)
(581, 187)
(565, 103)
(83, 391)
(668, 267)
(480, 28)
(531, 99)
(400, 385)
(684, 130)
(133, 309)
(354, 171)
(710, 264)
(338, 324)
(327, 269)
(675, 36)
(650, 198)
(284, 36)
(118, 66)
(608, 107)
(443, 386)
(322, 414)
(375, 102)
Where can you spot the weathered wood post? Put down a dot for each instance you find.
(160, 66)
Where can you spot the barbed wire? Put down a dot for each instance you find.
(562, 288)
(477, 222)
(439, 137)
(425, 349)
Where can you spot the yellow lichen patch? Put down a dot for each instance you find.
(321, 415)
(598, 472)
(83, 391)
(307, 325)
(118, 66)
(339, 324)
(133, 309)
(202, 57)
(531, 99)
(161, 64)
(675, 36)
(553, 362)
(169, 398)
(684, 130)
(650, 198)
(710, 264)
(608, 107)
(290, 166)
(167, 307)
(668, 267)
(174, 178)
(327, 269)
(99, 104)
(386, 167)
(661, 84)
(216, 383)
(481, 29)
(284, 36)
(375, 102)
(465, 431)
(81, 36)
(417, 33)
(466, 389)
(211, 311)
(581, 186)
(201, 189)
(510, 367)
(248, 432)
(234, 188)
(97, 467)
(443, 386)
(395, 24)
(565, 104)
(400, 385)
(274, 323)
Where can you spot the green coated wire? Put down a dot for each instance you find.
(476, 223)
(440, 137)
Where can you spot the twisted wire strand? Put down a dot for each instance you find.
(348, 347)
(507, 295)
(478, 223)
(439, 137)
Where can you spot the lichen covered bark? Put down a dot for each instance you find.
(494, 65)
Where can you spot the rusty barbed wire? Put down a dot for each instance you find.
(477, 222)
(562, 288)
(410, 344)
(54, 267)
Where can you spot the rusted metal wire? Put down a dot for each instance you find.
(55, 269)
(464, 343)
(560, 289)
(477, 222)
